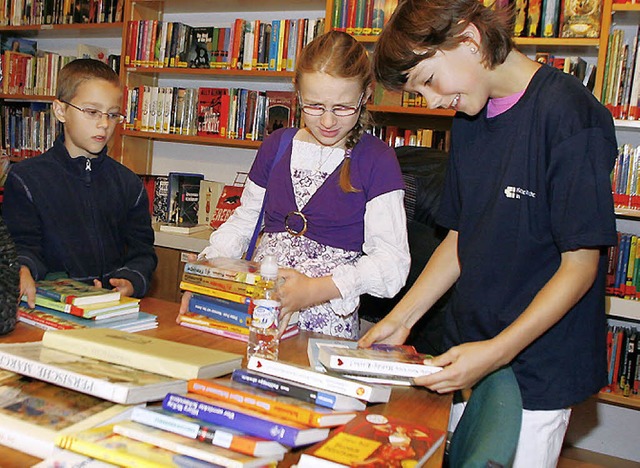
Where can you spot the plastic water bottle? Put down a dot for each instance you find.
(265, 310)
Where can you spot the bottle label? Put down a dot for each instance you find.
(265, 313)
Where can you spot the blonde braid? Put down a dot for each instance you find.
(359, 129)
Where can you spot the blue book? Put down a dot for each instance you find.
(273, 45)
(243, 419)
(623, 261)
(212, 307)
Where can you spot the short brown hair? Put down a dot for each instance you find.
(419, 28)
(78, 71)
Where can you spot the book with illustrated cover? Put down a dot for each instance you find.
(184, 190)
(200, 53)
(125, 305)
(161, 200)
(210, 191)
(75, 292)
(270, 403)
(379, 362)
(33, 413)
(170, 358)
(280, 110)
(581, 18)
(213, 112)
(301, 392)
(229, 200)
(100, 379)
(375, 441)
(332, 383)
(195, 448)
(156, 416)
(245, 420)
(48, 319)
(103, 444)
(233, 269)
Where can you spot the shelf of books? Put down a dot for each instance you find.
(193, 139)
(411, 110)
(199, 72)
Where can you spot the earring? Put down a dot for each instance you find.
(473, 49)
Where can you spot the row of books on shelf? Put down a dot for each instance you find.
(555, 18)
(623, 267)
(233, 113)
(246, 45)
(27, 129)
(75, 390)
(621, 82)
(395, 136)
(572, 65)
(623, 360)
(33, 12)
(361, 17)
(625, 182)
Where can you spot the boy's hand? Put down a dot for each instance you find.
(464, 366)
(27, 286)
(119, 284)
(388, 331)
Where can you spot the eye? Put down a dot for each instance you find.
(429, 81)
(93, 113)
(113, 116)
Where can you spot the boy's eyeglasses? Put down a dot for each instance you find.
(95, 114)
(317, 110)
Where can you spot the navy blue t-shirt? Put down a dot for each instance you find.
(523, 187)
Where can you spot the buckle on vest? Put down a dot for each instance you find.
(295, 231)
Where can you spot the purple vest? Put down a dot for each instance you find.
(334, 217)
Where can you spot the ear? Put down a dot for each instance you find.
(471, 36)
(59, 110)
(367, 93)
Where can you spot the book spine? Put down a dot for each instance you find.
(226, 417)
(248, 278)
(343, 364)
(43, 322)
(215, 331)
(240, 299)
(54, 295)
(218, 311)
(198, 319)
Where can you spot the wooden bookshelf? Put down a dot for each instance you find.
(193, 139)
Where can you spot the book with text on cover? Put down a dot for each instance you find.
(195, 448)
(170, 358)
(33, 413)
(101, 379)
(270, 403)
(75, 292)
(156, 416)
(332, 383)
(375, 441)
(225, 205)
(244, 419)
(125, 305)
(233, 269)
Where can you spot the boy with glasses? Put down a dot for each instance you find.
(73, 209)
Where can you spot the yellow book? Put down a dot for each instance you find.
(214, 292)
(177, 360)
(197, 319)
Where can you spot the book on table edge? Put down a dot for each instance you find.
(185, 230)
(165, 357)
(156, 416)
(290, 331)
(242, 419)
(373, 440)
(54, 320)
(191, 447)
(75, 292)
(219, 309)
(207, 291)
(301, 392)
(33, 413)
(333, 383)
(269, 403)
(95, 311)
(234, 269)
(101, 379)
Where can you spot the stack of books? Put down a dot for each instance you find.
(67, 304)
(221, 301)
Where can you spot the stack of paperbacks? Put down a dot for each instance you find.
(76, 380)
(67, 304)
(221, 301)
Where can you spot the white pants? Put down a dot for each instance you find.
(541, 436)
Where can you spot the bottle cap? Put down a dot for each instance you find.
(269, 267)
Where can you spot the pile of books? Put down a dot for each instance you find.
(67, 304)
(221, 301)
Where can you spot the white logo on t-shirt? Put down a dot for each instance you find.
(517, 192)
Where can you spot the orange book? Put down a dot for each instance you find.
(351, 16)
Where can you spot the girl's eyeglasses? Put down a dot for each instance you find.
(318, 110)
(95, 114)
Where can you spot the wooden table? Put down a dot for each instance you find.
(416, 404)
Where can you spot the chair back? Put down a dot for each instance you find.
(487, 434)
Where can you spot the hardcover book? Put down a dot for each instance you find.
(101, 379)
(170, 358)
(161, 200)
(333, 383)
(280, 110)
(33, 413)
(270, 403)
(74, 292)
(213, 112)
(201, 47)
(191, 447)
(225, 437)
(126, 305)
(244, 419)
(581, 18)
(184, 190)
(301, 392)
(229, 200)
(375, 441)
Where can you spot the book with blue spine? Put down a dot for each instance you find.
(218, 310)
(243, 419)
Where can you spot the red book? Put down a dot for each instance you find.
(351, 16)
(229, 200)
(212, 112)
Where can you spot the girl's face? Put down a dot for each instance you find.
(453, 79)
(321, 90)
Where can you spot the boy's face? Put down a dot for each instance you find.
(83, 135)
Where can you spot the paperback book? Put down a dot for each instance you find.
(233, 269)
(74, 292)
(243, 419)
(193, 428)
(126, 305)
(375, 441)
(229, 200)
(270, 403)
(100, 379)
(170, 358)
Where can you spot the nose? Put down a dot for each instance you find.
(328, 120)
(434, 100)
(103, 120)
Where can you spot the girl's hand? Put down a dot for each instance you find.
(184, 305)
(27, 286)
(295, 291)
(464, 366)
(387, 330)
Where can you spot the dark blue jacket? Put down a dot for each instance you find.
(86, 217)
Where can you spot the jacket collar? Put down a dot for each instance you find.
(76, 166)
